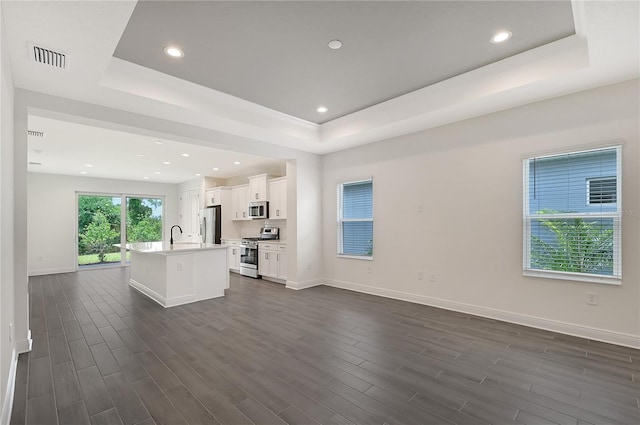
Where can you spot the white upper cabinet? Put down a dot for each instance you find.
(258, 189)
(214, 196)
(278, 198)
(239, 202)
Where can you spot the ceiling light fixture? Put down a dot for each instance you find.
(322, 109)
(166, 163)
(88, 165)
(215, 168)
(198, 174)
(158, 142)
(157, 172)
(146, 177)
(174, 52)
(501, 37)
(334, 44)
(236, 162)
(83, 172)
(186, 155)
(140, 155)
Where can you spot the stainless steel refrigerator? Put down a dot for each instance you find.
(210, 227)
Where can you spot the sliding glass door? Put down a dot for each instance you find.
(99, 219)
(103, 223)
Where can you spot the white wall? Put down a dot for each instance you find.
(7, 311)
(52, 215)
(468, 175)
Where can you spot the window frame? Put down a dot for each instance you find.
(340, 219)
(616, 277)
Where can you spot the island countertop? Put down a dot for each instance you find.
(165, 248)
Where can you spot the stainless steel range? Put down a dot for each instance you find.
(249, 257)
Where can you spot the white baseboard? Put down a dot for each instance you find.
(7, 403)
(167, 302)
(24, 346)
(612, 337)
(56, 270)
(304, 285)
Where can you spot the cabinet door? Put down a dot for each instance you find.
(195, 214)
(282, 194)
(263, 262)
(278, 199)
(232, 257)
(184, 215)
(213, 197)
(257, 189)
(238, 203)
(244, 197)
(282, 265)
(273, 264)
(209, 198)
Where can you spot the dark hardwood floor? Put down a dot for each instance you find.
(104, 354)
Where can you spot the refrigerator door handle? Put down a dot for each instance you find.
(204, 233)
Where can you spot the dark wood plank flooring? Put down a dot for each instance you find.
(105, 354)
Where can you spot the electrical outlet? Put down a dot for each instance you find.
(420, 275)
(420, 207)
(434, 277)
(369, 269)
(592, 298)
(180, 267)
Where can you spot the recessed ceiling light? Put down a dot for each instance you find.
(215, 168)
(158, 142)
(322, 109)
(83, 172)
(146, 177)
(335, 44)
(501, 37)
(185, 155)
(157, 172)
(198, 174)
(88, 165)
(140, 155)
(166, 163)
(174, 52)
(236, 162)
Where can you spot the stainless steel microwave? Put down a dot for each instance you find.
(259, 209)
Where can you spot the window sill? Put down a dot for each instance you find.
(356, 257)
(577, 277)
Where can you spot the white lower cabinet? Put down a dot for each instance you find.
(234, 251)
(272, 260)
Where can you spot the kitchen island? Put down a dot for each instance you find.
(178, 274)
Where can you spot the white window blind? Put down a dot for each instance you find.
(572, 215)
(355, 218)
(601, 190)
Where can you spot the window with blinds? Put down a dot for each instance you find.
(355, 219)
(572, 216)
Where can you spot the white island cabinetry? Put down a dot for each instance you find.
(179, 274)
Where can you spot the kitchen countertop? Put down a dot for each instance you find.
(165, 248)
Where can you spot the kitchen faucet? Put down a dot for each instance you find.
(179, 228)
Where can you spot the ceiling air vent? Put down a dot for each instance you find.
(35, 133)
(49, 57)
(35, 163)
